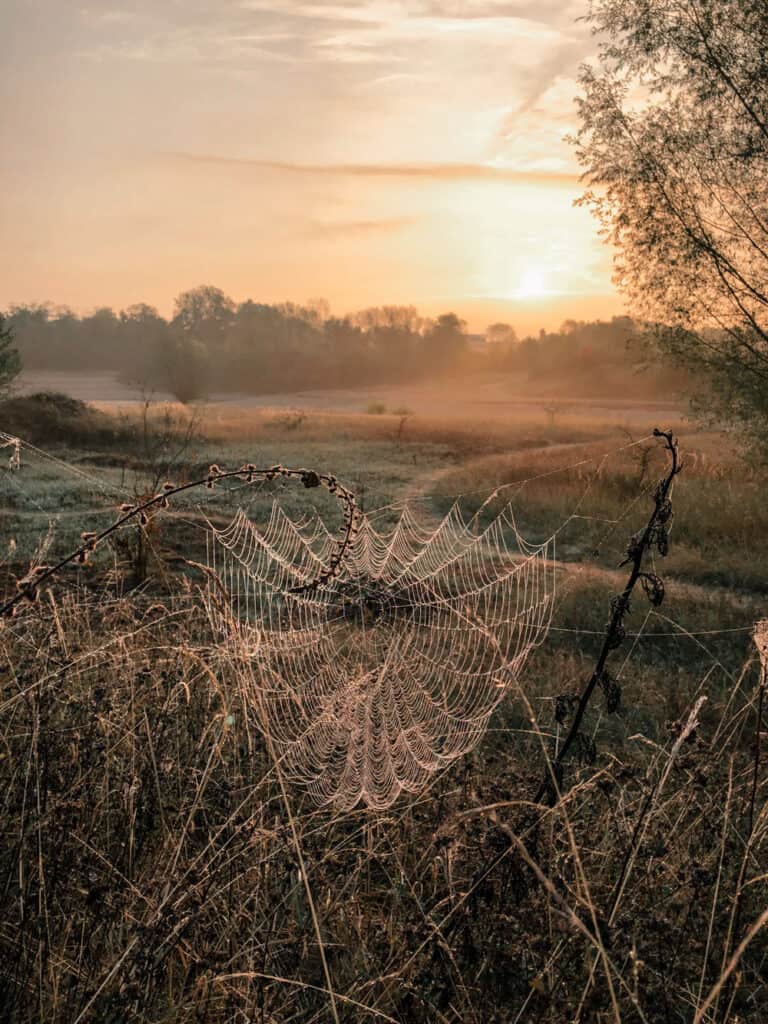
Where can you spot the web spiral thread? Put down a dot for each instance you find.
(389, 672)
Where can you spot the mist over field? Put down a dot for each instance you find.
(398, 653)
(214, 346)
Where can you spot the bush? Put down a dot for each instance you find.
(50, 417)
(376, 408)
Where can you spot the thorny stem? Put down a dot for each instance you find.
(29, 586)
(615, 632)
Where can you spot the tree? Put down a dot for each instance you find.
(445, 342)
(205, 314)
(30, 325)
(185, 368)
(392, 340)
(674, 142)
(500, 334)
(99, 339)
(147, 337)
(10, 362)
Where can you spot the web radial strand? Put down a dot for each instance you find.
(386, 674)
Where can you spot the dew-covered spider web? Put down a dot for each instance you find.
(370, 684)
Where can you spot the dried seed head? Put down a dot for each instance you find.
(248, 470)
(761, 642)
(612, 691)
(653, 586)
(616, 637)
(662, 541)
(564, 704)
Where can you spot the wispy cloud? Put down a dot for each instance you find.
(436, 172)
(267, 134)
(359, 228)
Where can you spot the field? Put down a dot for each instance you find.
(160, 864)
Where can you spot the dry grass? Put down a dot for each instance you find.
(228, 423)
(151, 871)
(156, 866)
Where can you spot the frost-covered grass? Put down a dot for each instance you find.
(156, 868)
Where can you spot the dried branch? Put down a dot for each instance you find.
(29, 586)
(656, 533)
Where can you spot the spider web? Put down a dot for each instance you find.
(391, 671)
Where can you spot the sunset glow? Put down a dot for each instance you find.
(369, 151)
(532, 285)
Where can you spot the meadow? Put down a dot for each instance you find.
(156, 863)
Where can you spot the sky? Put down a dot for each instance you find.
(365, 151)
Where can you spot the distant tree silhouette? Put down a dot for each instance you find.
(446, 340)
(500, 334)
(674, 141)
(10, 362)
(204, 313)
(147, 336)
(185, 368)
(260, 348)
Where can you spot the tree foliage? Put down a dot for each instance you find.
(674, 142)
(259, 348)
(214, 344)
(10, 362)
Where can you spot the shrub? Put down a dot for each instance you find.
(50, 417)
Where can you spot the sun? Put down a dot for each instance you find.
(531, 285)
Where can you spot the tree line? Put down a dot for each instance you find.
(212, 344)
